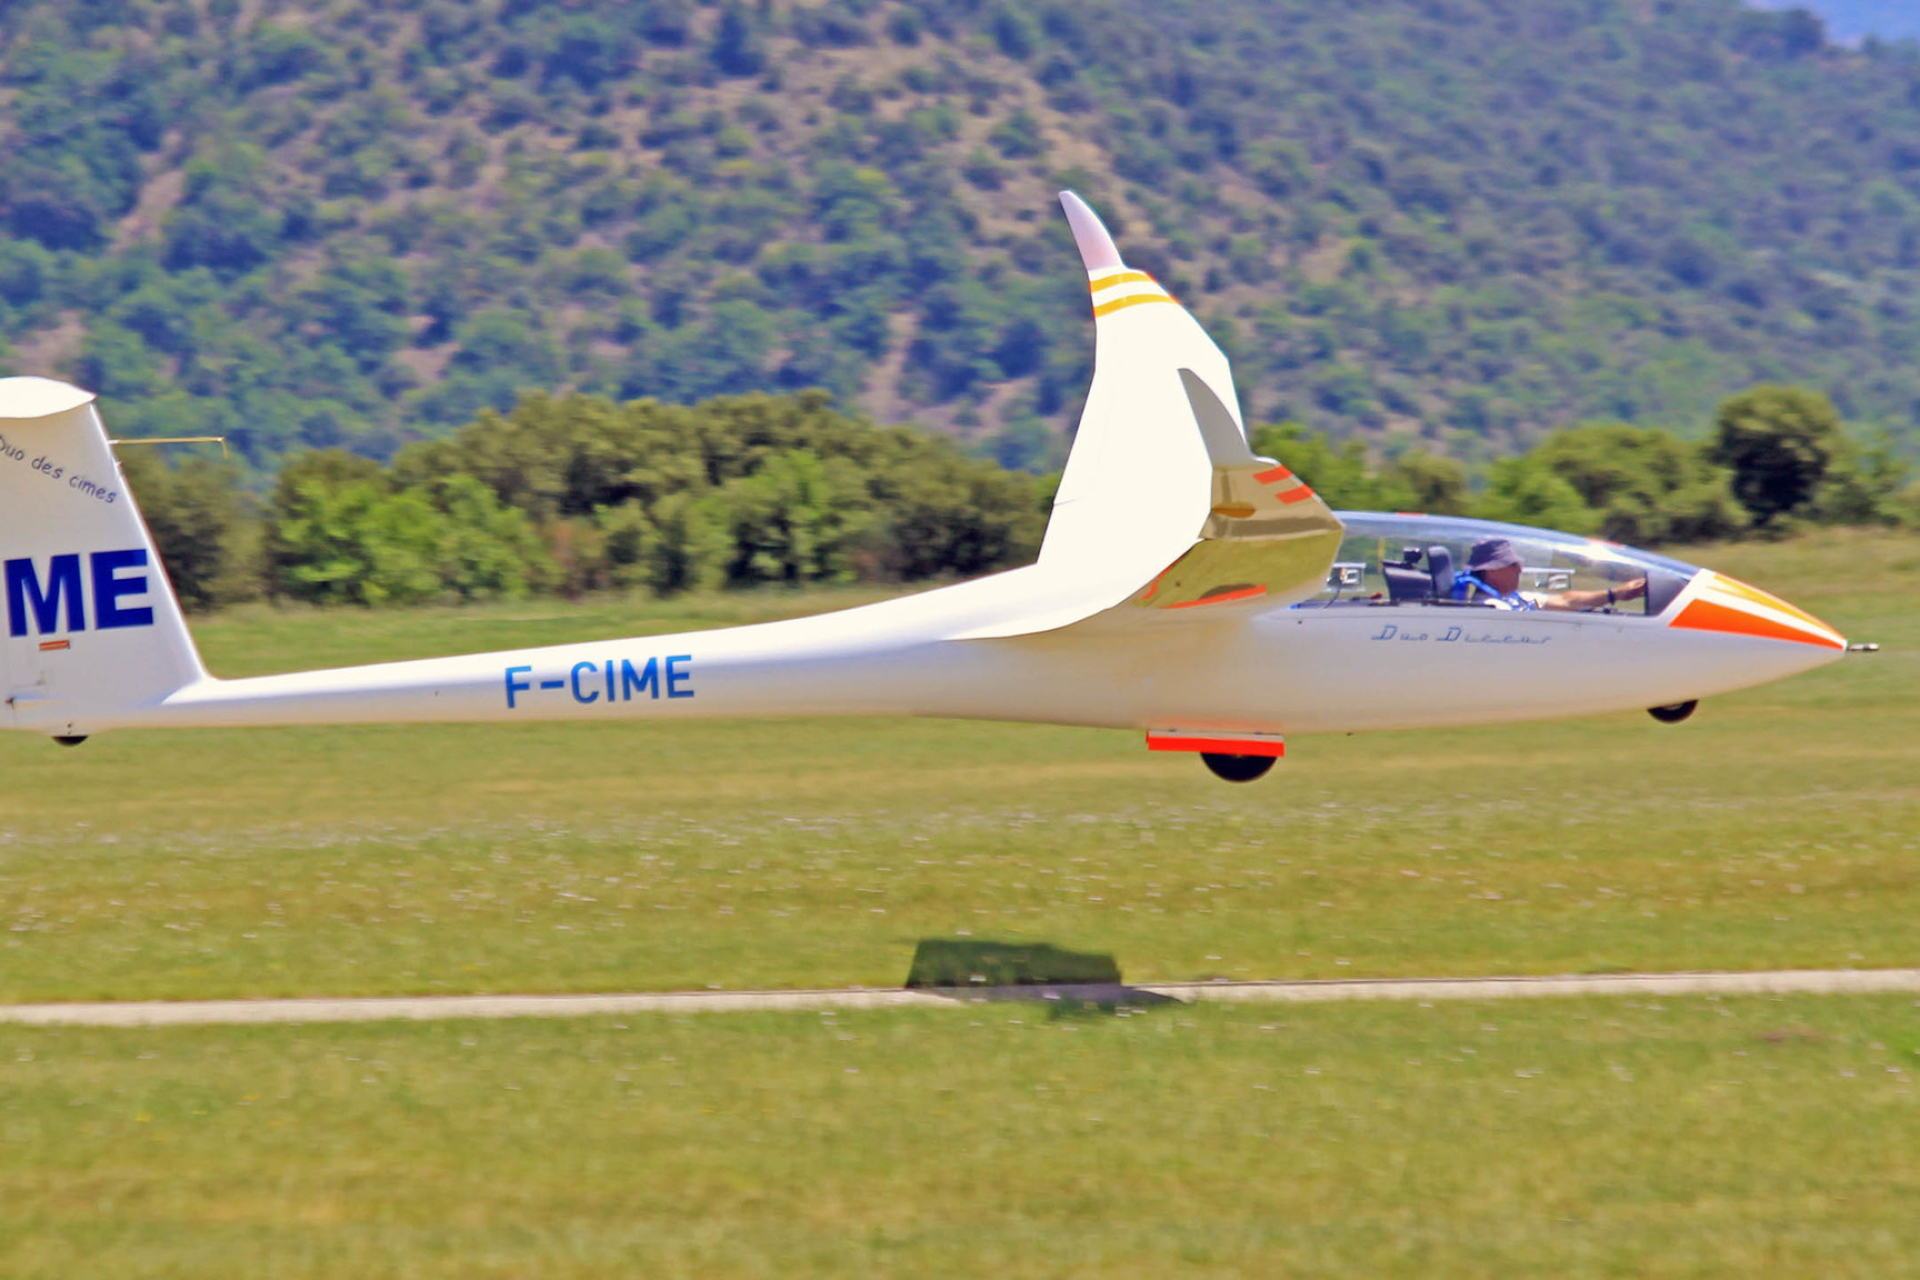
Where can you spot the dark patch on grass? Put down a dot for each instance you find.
(969, 962)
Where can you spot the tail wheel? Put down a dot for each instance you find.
(1674, 714)
(1237, 768)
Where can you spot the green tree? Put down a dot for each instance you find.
(1778, 441)
(1347, 479)
(590, 51)
(1432, 483)
(737, 47)
(694, 544)
(631, 545)
(942, 514)
(1344, 477)
(203, 523)
(1867, 484)
(1646, 485)
(25, 269)
(752, 488)
(1018, 137)
(487, 550)
(1527, 491)
(1013, 32)
(356, 543)
(795, 519)
(343, 530)
(226, 218)
(276, 55)
(114, 361)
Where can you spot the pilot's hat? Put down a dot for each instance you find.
(1491, 553)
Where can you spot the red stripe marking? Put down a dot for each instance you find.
(1153, 588)
(1275, 473)
(1271, 747)
(48, 646)
(1244, 593)
(1292, 496)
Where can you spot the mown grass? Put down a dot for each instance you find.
(1567, 1138)
(1780, 827)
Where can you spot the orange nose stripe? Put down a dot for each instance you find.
(1733, 587)
(1710, 615)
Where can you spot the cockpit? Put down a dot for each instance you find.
(1415, 561)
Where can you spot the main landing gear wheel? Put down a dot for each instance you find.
(1237, 768)
(1674, 714)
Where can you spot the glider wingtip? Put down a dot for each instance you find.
(1097, 251)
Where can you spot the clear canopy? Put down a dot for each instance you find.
(1429, 561)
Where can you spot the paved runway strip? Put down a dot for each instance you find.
(419, 1008)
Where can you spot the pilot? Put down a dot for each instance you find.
(1492, 577)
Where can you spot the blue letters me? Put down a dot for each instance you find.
(28, 598)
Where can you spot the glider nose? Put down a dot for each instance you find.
(1732, 607)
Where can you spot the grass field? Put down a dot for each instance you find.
(1780, 827)
(1569, 1139)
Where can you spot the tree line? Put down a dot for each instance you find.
(1777, 459)
(577, 493)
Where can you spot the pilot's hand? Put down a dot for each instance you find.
(1635, 590)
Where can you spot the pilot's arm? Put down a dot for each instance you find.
(1583, 601)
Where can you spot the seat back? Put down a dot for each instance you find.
(1405, 583)
(1407, 580)
(1440, 565)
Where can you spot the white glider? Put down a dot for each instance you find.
(1185, 587)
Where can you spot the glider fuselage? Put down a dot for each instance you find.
(1185, 586)
(1321, 666)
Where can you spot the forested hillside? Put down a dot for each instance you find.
(1459, 221)
(1858, 19)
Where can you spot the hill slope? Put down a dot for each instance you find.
(1857, 19)
(1466, 220)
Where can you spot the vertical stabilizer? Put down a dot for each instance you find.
(89, 625)
(1161, 477)
(1135, 488)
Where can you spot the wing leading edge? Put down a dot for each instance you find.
(1164, 513)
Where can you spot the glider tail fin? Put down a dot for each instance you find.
(89, 625)
(1161, 476)
(1163, 506)
(1135, 488)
